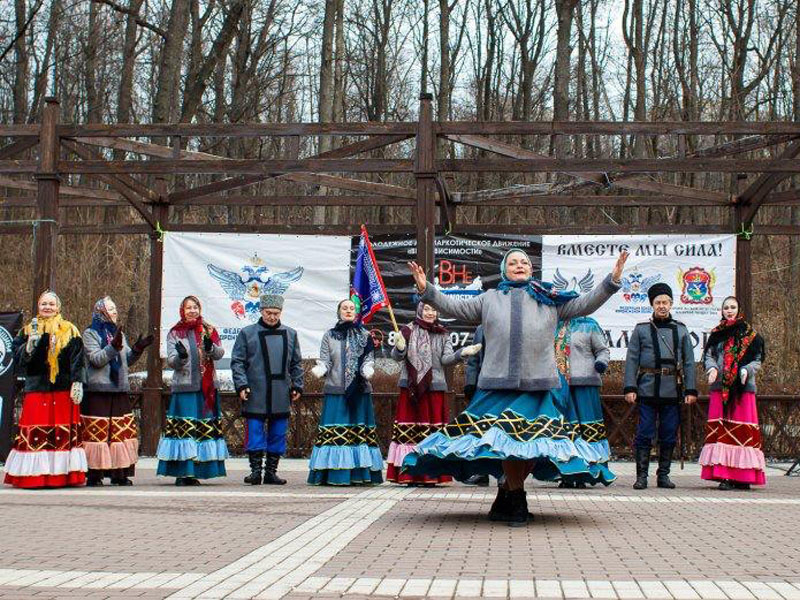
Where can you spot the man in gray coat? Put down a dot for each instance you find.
(659, 373)
(268, 375)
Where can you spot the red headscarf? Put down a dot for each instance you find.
(200, 330)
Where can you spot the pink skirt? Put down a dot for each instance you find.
(732, 447)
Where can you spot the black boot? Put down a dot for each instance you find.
(500, 506)
(518, 514)
(94, 478)
(726, 485)
(271, 470)
(255, 468)
(642, 466)
(664, 463)
(479, 480)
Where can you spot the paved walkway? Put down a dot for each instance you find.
(227, 540)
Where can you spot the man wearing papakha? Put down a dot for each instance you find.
(268, 374)
(659, 373)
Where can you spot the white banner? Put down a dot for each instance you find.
(700, 269)
(228, 272)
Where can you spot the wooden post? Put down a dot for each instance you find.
(744, 265)
(46, 228)
(426, 184)
(152, 406)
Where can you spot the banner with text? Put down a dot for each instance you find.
(700, 269)
(10, 322)
(465, 265)
(228, 272)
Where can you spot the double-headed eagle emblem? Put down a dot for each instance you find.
(252, 280)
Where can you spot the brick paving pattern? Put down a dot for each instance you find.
(227, 540)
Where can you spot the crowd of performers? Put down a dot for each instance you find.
(533, 378)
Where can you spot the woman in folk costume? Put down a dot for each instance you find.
(110, 435)
(192, 446)
(733, 354)
(423, 348)
(512, 426)
(48, 353)
(346, 450)
(582, 356)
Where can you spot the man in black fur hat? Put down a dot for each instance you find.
(659, 372)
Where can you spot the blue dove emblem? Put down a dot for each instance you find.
(245, 287)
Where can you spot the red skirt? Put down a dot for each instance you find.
(414, 422)
(47, 451)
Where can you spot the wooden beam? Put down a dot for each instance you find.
(146, 148)
(746, 144)
(754, 195)
(590, 229)
(47, 181)
(91, 155)
(64, 190)
(353, 185)
(63, 202)
(512, 151)
(638, 184)
(273, 167)
(288, 228)
(618, 128)
(232, 130)
(152, 409)
(296, 201)
(122, 183)
(635, 165)
(785, 198)
(550, 200)
(20, 130)
(125, 229)
(17, 147)
(18, 166)
(425, 175)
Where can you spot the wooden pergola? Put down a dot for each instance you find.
(143, 184)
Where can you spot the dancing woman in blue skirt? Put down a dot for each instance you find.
(512, 426)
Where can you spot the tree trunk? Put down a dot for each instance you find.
(21, 63)
(90, 64)
(338, 71)
(125, 96)
(167, 86)
(326, 72)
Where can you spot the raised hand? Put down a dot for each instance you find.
(418, 273)
(116, 341)
(616, 274)
(142, 343)
(400, 343)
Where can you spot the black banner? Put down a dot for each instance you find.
(464, 266)
(10, 322)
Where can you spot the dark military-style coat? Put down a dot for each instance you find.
(660, 344)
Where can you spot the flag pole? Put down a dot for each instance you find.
(380, 279)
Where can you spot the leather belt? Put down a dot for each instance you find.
(664, 371)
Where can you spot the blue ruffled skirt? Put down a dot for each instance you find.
(192, 444)
(346, 450)
(503, 425)
(582, 407)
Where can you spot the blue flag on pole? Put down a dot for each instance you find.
(367, 290)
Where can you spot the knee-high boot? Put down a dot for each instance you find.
(642, 466)
(664, 464)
